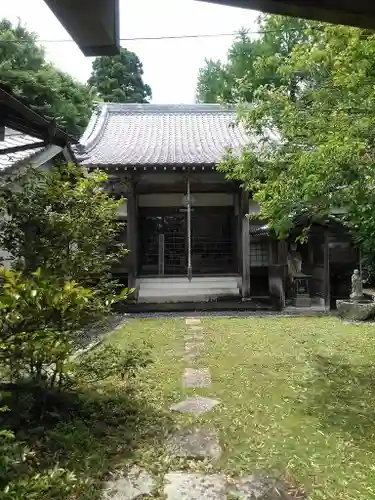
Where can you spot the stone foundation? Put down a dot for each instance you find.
(359, 310)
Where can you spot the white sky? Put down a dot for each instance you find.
(170, 66)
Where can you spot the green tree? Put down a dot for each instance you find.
(317, 152)
(212, 83)
(120, 78)
(62, 222)
(251, 62)
(61, 231)
(48, 90)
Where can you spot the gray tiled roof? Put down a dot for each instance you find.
(14, 138)
(260, 230)
(151, 134)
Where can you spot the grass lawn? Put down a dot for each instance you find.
(297, 399)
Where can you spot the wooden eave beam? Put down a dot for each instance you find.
(24, 147)
(359, 13)
(17, 115)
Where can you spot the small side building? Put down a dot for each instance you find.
(186, 225)
(28, 139)
(19, 151)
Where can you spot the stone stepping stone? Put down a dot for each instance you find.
(137, 483)
(191, 356)
(195, 444)
(194, 334)
(196, 406)
(257, 487)
(193, 344)
(194, 328)
(192, 350)
(192, 321)
(194, 339)
(196, 377)
(185, 486)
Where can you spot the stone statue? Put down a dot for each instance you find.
(358, 307)
(294, 261)
(357, 289)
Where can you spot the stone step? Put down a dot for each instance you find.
(184, 279)
(180, 290)
(208, 296)
(185, 284)
(188, 291)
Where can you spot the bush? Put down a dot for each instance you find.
(38, 317)
(62, 222)
(61, 231)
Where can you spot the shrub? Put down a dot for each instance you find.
(37, 319)
(62, 222)
(61, 231)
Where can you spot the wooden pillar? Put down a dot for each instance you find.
(245, 245)
(132, 235)
(282, 260)
(238, 232)
(326, 285)
(282, 253)
(188, 199)
(271, 253)
(310, 250)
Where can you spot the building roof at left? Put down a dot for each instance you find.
(13, 138)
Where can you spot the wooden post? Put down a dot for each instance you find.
(132, 235)
(245, 245)
(327, 291)
(161, 255)
(238, 232)
(271, 253)
(282, 253)
(245, 257)
(282, 260)
(188, 199)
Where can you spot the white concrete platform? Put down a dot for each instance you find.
(164, 289)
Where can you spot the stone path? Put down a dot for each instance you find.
(181, 485)
(193, 378)
(193, 345)
(196, 328)
(193, 321)
(197, 443)
(196, 405)
(137, 483)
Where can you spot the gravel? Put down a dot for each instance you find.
(95, 333)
